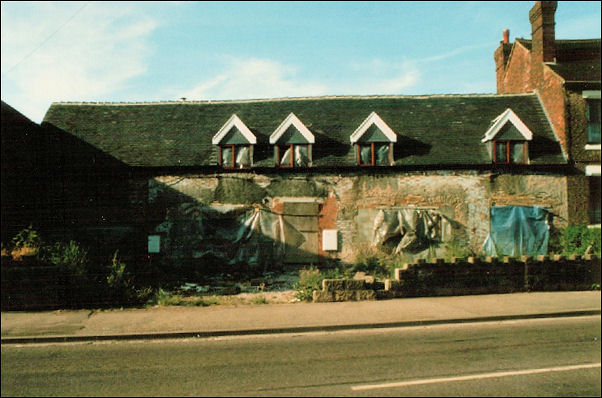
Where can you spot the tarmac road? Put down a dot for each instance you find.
(526, 357)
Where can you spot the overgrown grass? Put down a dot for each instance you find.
(166, 299)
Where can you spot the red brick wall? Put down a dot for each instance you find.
(552, 93)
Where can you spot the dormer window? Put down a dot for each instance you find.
(292, 143)
(508, 139)
(373, 141)
(507, 152)
(234, 143)
(235, 156)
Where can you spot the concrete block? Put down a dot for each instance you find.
(361, 295)
(354, 284)
(385, 294)
(392, 284)
(344, 295)
(322, 296)
(332, 285)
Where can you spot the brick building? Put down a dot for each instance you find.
(307, 180)
(272, 182)
(566, 76)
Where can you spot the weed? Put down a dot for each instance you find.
(259, 300)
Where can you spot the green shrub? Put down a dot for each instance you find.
(118, 278)
(310, 279)
(69, 257)
(27, 237)
(575, 239)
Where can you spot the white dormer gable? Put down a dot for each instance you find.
(507, 116)
(373, 118)
(234, 121)
(292, 119)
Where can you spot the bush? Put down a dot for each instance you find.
(310, 279)
(26, 243)
(69, 257)
(373, 261)
(27, 237)
(575, 239)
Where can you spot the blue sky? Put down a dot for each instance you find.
(160, 51)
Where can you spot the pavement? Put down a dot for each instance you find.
(225, 320)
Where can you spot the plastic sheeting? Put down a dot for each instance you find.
(517, 231)
(264, 236)
(229, 234)
(418, 230)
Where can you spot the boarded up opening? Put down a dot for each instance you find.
(303, 216)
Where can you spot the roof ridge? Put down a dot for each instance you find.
(325, 97)
(563, 40)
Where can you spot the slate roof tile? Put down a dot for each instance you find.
(432, 130)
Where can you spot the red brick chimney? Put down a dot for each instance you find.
(500, 56)
(543, 37)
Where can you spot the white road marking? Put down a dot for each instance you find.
(475, 377)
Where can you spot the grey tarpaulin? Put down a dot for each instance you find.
(264, 235)
(231, 234)
(417, 230)
(516, 231)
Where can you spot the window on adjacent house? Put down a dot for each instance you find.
(507, 152)
(593, 121)
(235, 156)
(293, 155)
(594, 200)
(374, 154)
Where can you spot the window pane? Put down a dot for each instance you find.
(593, 118)
(518, 154)
(382, 154)
(594, 200)
(301, 156)
(227, 156)
(365, 154)
(285, 155)
(500, 152)
(243, 158)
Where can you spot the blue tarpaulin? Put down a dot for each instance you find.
(517, 231)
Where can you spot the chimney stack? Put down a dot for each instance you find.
(506, 36)
(542, 31)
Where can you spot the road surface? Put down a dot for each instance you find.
(539, 357)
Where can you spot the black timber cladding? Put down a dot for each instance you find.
(431, 130)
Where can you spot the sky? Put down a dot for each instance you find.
(163, 51)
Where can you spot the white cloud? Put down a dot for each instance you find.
(264, 78)
(255, 78)
(93, 54)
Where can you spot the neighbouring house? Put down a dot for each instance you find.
(24, 183)
(566, 76)
(263, 184)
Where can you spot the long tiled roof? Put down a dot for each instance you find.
(431, 130)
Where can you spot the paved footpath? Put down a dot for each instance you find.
(172, 321)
